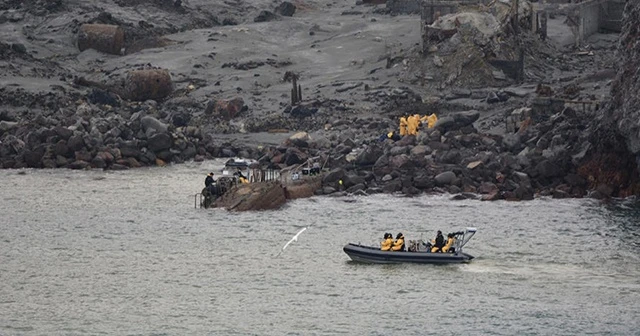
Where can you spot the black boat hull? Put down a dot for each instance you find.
(373, 255)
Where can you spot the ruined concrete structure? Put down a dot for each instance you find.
(593, 16)
(586, 17)
(432, 9)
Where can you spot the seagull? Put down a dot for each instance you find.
(295, 238)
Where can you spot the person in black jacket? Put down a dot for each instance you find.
(438, 242)
(209, 180)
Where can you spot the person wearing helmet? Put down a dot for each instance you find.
(398, 245)
(385, 245)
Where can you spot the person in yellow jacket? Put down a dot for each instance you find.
(398, 245)
(450, 240)
(403, 126)
(240, 176)
(412, 125)
(432, 120)
(385, 245)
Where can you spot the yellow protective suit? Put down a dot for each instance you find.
(418, 120)
(448, 245)
(432, 120)
(412, 125)
(386, 244)
(398, 244)
(243, 180)
(403, 126)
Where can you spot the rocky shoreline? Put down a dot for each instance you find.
(86, 110)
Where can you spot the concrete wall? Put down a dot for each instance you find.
(611, 16)
(596, 15)
(590, 18)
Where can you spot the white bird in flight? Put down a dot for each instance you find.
(295, 238)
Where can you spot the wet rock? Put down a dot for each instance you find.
(392, 187)
(352, 180)
(62, 149)
(33, 158)
(286, 9)
(78, 165)
(355, 188)
(117, 166)
(547, 168)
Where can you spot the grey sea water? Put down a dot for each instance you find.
(126, 253)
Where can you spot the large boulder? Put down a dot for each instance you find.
(153, 125)
(369, 156)
(300, 139)
(159, 142)
(333, 176)
(227, 108)
(294, 156)
(286, 9)
(445, 178)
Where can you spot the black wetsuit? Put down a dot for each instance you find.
(439, 242)
(209, 181)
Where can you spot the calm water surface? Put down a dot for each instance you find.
(126, 253)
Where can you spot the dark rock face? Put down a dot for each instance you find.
(611, 164)
(286, 9)
(159, 142)
(624, 111)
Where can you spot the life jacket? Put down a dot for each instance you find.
(448, 245)
(385, 245)
(398, 245)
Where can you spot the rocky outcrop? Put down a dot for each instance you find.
(253, 196)
(611, 165)
(623, 111)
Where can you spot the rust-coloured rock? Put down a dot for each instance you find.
(101, 37)
(253, 196)
(155, 84)
(229, 108)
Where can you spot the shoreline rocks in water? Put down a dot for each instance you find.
(102, 108)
